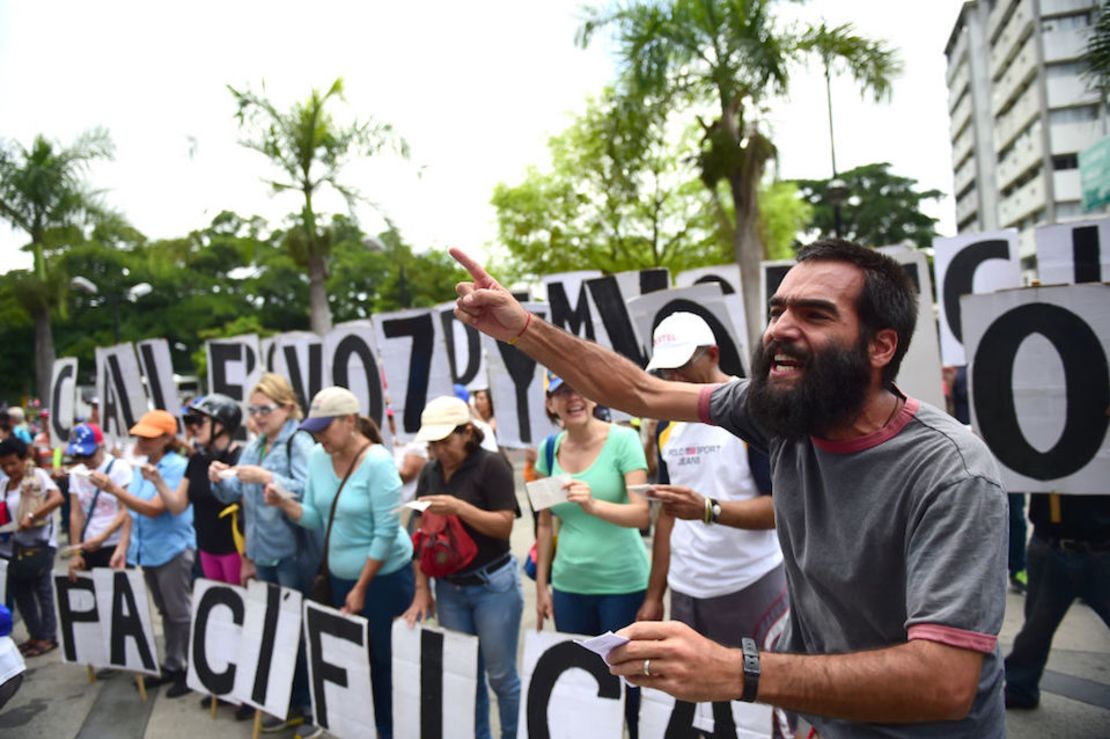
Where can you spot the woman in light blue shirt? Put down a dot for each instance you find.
(369, 552)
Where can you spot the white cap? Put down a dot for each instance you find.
(441, 416)
(676, 339)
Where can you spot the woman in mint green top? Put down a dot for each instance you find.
(369, 553)
(601, 565)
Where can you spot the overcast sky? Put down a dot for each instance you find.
(476, 88)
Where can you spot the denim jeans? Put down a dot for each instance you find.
(387, 597)
(290, 574)
(35, 599)
(490, 611)
(592, 615)
(1056, 578)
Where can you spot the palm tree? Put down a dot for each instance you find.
(311, 148)
(43, 193)
(730, 55)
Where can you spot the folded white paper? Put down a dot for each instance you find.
(547, 491)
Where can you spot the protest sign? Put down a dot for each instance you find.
(464, 350)
(516, 385)
(81, 632)
(435, 682)
(1069, 253)
(352, 356)
(299, 357)
(664, 717)
(119, 385)
(123, 608)
(728, 277)
(214, 637)
(268, 650)
(415, 362)
(63, 397)
(971, 263)
(1039, 384)
(338, 650)
(567, 691)
(234, 366)
(157, 367)
(705, 300)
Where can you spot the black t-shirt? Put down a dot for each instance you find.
(485, 480)
(1082, 517)
(213, 532)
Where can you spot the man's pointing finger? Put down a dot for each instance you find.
(476, 271)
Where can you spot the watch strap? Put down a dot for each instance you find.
(751, 669)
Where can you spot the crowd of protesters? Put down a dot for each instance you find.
(317, 503)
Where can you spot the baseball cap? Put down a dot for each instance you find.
(155, 423)
(676, 338)
(551, 382)
(327, 405)
(84, 440)
(441, 416)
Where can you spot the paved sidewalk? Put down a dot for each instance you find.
(57, 700)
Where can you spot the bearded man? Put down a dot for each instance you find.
(890, 514)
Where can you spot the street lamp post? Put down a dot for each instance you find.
(133, 293)
(837, 191)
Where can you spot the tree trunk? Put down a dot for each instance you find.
(319, 312)
(748, 247)
(44, 353)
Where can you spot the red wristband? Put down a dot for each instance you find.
(527, 323)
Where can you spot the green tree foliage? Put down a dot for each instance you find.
(882, 208)
(730, 56)
(311, 149)
(1096, 57)
(616, 197)
(44, 194)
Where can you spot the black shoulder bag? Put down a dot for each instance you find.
(321, 584)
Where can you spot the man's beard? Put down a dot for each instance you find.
(830, 391)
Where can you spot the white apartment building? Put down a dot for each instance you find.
(1020, 113)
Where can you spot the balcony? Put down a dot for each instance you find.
(1000, 13)
(1017, 29)
(1072, 137)
(967, 206)
(965, 175)
(1022, 68)
(958, 57)
(1064, 7)
(962, 146)
(960, 117)
(1065, 184)
(1015, 120)
(1064, 45)
(958, 85)
(1027, 200)
(1028, 152)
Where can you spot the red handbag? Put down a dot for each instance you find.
(442, 545)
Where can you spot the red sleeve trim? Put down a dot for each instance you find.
(953, 637)
(703, 404)
(875, 438)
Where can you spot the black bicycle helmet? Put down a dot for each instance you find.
(221, 409)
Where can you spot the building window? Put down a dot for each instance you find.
(1068, 210)
(1078, 114)
(1065, 161)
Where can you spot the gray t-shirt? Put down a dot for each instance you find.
(894, 536)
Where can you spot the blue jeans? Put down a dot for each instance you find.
(1056, 578)
(290, 574)
(387, 597)
(490, 611)
(592, 615)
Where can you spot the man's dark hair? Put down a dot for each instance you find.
(887, 299)
(13, 445)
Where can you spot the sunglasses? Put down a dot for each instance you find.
(262, 410)
(193, 419)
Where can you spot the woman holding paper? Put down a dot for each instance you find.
(352, 494)
(213, 420)
(600, 572)
(158, 540)
(484, 599)
(96, 517)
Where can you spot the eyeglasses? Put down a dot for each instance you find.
(670, 373)
(262, 410)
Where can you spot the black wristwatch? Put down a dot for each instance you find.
(751, 670)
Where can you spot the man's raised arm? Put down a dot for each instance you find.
(598, 373)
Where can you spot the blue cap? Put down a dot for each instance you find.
(461, 392)
(551, 382)
(5, 620)
(84, 440)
